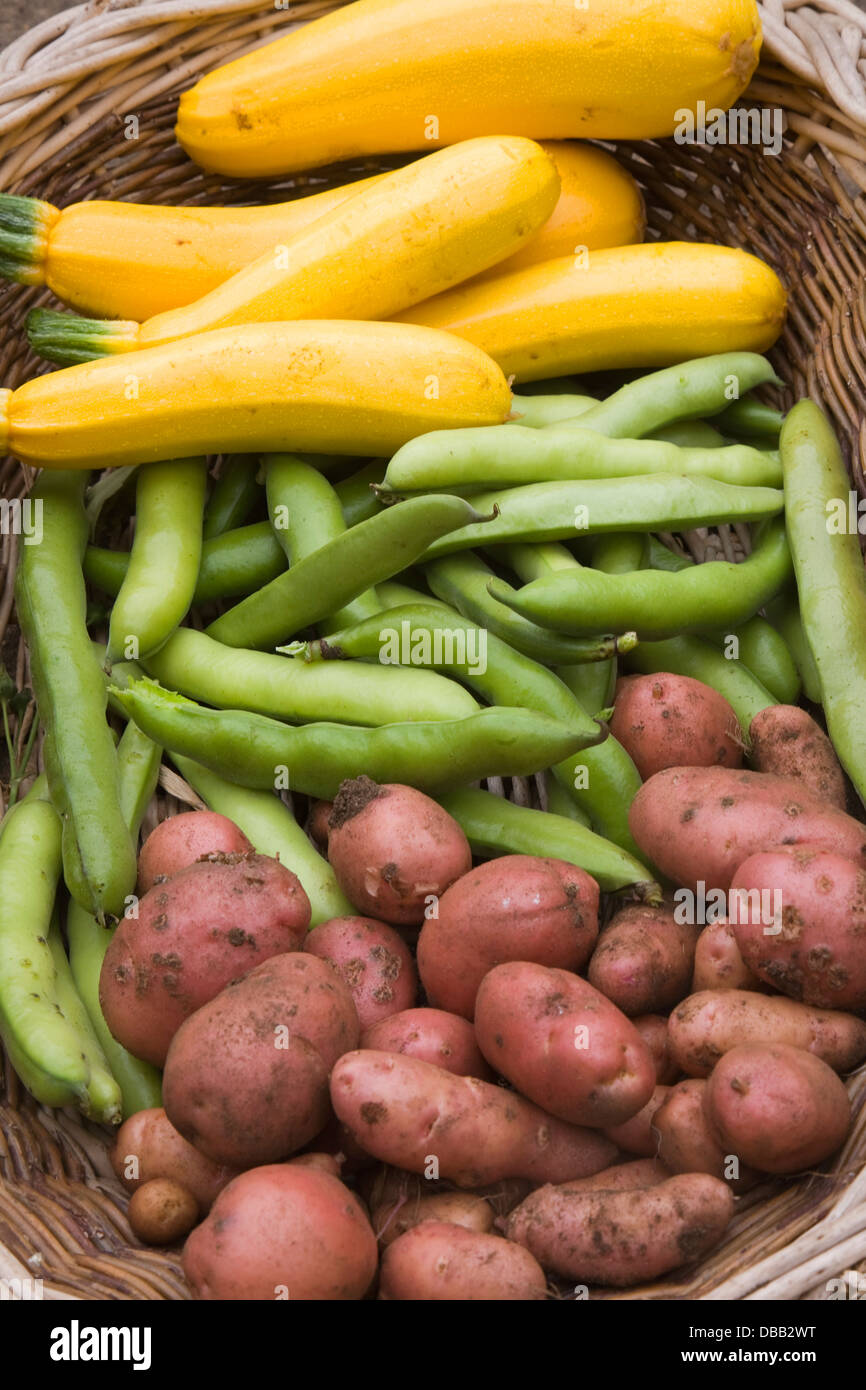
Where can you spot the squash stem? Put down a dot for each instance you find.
(68, 338)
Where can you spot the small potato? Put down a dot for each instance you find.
(653, 1028)
(373, 959)
(395, 1218)
(437, 1262)
(718, 962)
(446, 1040)
(282, 1231)
(620, 1238)
(562, 1044)
(162, 1212)
(709, 1024)
(674, 721)
(393, 849)
(514, 908)
(698, 824)
(246, 1077)
(404, 1112)
(207, 925)
(778, 1107)
(180, 840)
(787, 742)
(638, 1135)
(813, 948)
(147, 1146)
(317, 822)
(686, 1144)
(643, 959)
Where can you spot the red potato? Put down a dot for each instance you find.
(787, 742)
(643, 959)
(718, 962)
(393, 849)
(373, 959)
(709, 1024)
(562, 1044)
(674, 721)
(638, 1135)
(207, 925)
(686, 1143)
(148, 1146)
(437, 1262)
(514, 908)
(432, 1035)
(417, 1116)
(814, 950)
(635, 1175)
(621, 1238)
(317, 822)
(653, 1028)
(282, 1232)
(246, 1078)
(180, 840)
(778, 1107)
(698, 824)
(393, 1219)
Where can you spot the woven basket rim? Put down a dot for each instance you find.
(64, 80)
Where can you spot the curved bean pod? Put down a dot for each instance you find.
(340, 570)
(231, 678)
(315, 758)
(160, 580)
(656, 604)
(565, 511)
(494, 826)
(233, 564)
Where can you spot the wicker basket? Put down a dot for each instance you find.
(65, 89)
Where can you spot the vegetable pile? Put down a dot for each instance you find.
(368, 1026)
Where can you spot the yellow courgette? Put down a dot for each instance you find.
(413, 234)
(327, 387)
(133, 260)
(383, 75)
(626, 306)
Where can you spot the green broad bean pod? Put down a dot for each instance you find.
(282, 688)
(688, 391)
(264, 754)
(783, 613)
(140, 1086)
(511, 456)
(566, 511)
(748, 417)
(830, 577)
(541, 409)
(234, 564)
(494, 826)
(305, 513)
(99, 862)
(461, 580)
(357, 498)
(235, 496)
(271, 829)
(656, 604)
(339, 571)
(161, 577)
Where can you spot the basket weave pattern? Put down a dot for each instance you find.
(66, 88)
